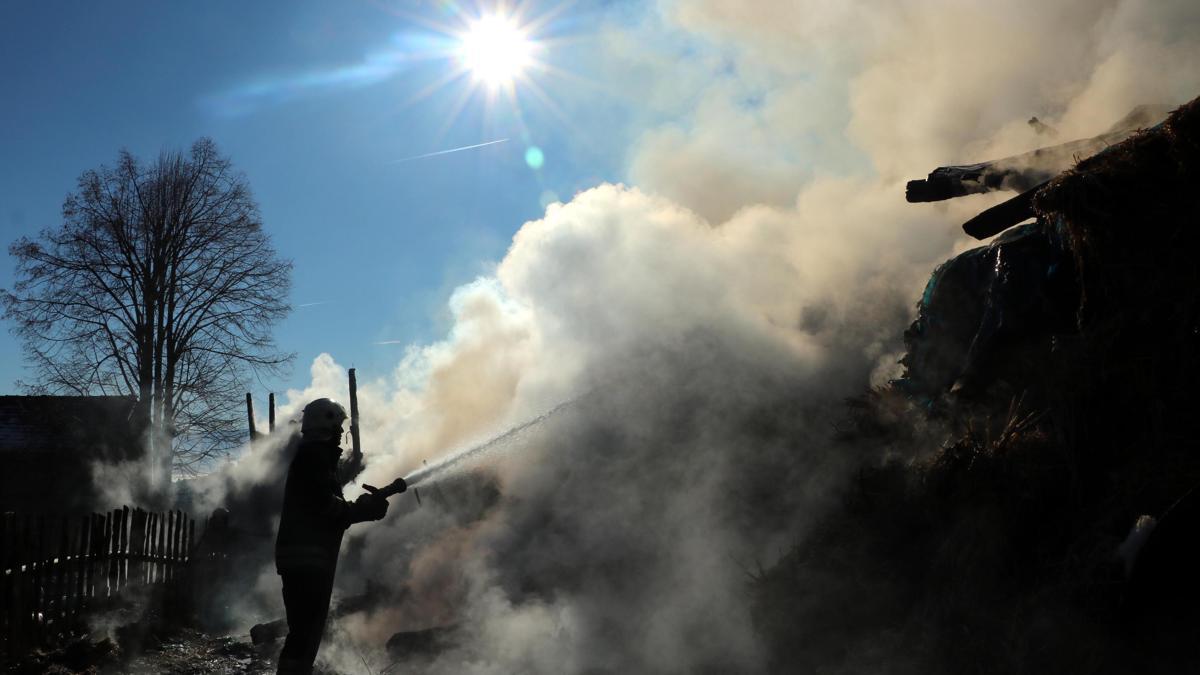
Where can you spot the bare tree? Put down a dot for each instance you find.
(160, 284)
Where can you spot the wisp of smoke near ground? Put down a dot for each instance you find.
(758, 268)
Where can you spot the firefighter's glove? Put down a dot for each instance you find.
(368, 507)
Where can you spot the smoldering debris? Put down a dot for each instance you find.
(1023, 172)
(264, 633)
(421, 643)
(1011, 548)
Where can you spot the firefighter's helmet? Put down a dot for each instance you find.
(323, 417)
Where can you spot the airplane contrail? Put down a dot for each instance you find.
(313, 304)
(446, 152)
(389, 342)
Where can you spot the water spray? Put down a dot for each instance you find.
(454, 459)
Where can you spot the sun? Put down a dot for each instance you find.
(495, 50)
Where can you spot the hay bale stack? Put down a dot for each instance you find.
(1131, 215)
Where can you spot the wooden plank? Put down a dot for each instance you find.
(114, 551)
(149, 535)
(62, 578)
(53, 603)
(169, 550)
(12, 608)
(123, 563)
(80, 562)
(175, 537)
(104, 530)
(90, 524)
(163, 525)
(38, 596)
(20, 539)
(94, 569)
(167, 545)
(172, 592)
(5, 578)
(137, 539)
(110, 549)
(62, 582)
(21, 608)
(114, 557)
(175, 545)
(151, 548)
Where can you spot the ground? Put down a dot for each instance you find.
(191, 652)
(183, 652)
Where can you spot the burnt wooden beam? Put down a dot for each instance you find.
(1002, 216)
(355, 440)
(1022, 172)
(352, 466)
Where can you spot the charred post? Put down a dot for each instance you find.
(354, 437)
(353, 465)
(250, 417)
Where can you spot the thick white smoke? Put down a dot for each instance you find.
(760, 267)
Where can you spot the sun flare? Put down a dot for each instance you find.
(495, 50)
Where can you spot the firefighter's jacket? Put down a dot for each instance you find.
(315, 514)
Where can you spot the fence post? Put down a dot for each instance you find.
(137, 540)
(151, 548)
(172, 590)
(61, 578)
(5, 566)
(7, 541)
(109, 544)
(89, 523)
(80, 561)
(20, 540)
(169, 553)
(183, 518)
(164, 524)
(100, 573)
(39, 573)
(25, 602)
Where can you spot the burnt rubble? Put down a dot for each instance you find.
(1053, 530)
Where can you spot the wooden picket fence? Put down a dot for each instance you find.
(56, 568)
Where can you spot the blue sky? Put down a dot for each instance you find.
(313, 101)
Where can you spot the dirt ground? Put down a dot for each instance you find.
(191, 651)
(183, 652)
